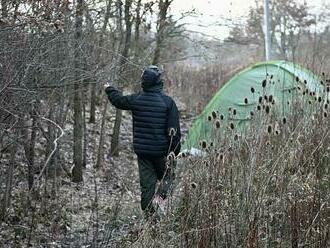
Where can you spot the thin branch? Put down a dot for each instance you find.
(53, 151)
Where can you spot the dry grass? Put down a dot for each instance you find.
(267, 187)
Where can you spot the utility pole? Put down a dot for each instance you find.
(267, 30)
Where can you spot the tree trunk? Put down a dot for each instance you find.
(100, 154)
(29, 149)
(93, 103)
(9, 182)
(161, 25)
(85, 136)
(125, 53)
(78, 125)
(78, 134)
(98, 59)
(137, 28)
(4, 8)
(116, 133)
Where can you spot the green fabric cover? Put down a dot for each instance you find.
(282, 84)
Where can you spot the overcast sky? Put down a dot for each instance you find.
(224, 12)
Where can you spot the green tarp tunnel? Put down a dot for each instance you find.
(281, 80)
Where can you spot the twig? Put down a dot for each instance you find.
(53, 151)
(310, 226)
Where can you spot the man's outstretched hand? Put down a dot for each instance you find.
(106, 85)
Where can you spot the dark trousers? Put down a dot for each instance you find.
(153, 171)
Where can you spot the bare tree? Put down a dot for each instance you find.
(4, 8)
(288, 20)
(100, 152)
(78, 121)
(163, 7)
(122, 67)
(137, 26)
(29, 147)
(9, 181)
(99, 57)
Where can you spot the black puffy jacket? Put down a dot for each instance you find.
(154, 114)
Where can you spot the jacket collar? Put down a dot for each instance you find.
(158, 87)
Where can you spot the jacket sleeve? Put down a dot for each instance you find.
(118, 100)
(173, 124)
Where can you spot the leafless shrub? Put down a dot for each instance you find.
(269, 187)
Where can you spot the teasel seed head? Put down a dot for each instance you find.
(264, 83)
(217, 124)
(172, 132)
(232, 126)
(267, 109)
(203, 144)
(209, 118)
(171, 156)
(284, 120)
(246, 101)
(214, 114)
(252, 90)
(269, 129)
(270, 98)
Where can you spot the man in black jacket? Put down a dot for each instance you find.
(156, 133)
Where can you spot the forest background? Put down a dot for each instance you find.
(68, 176)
